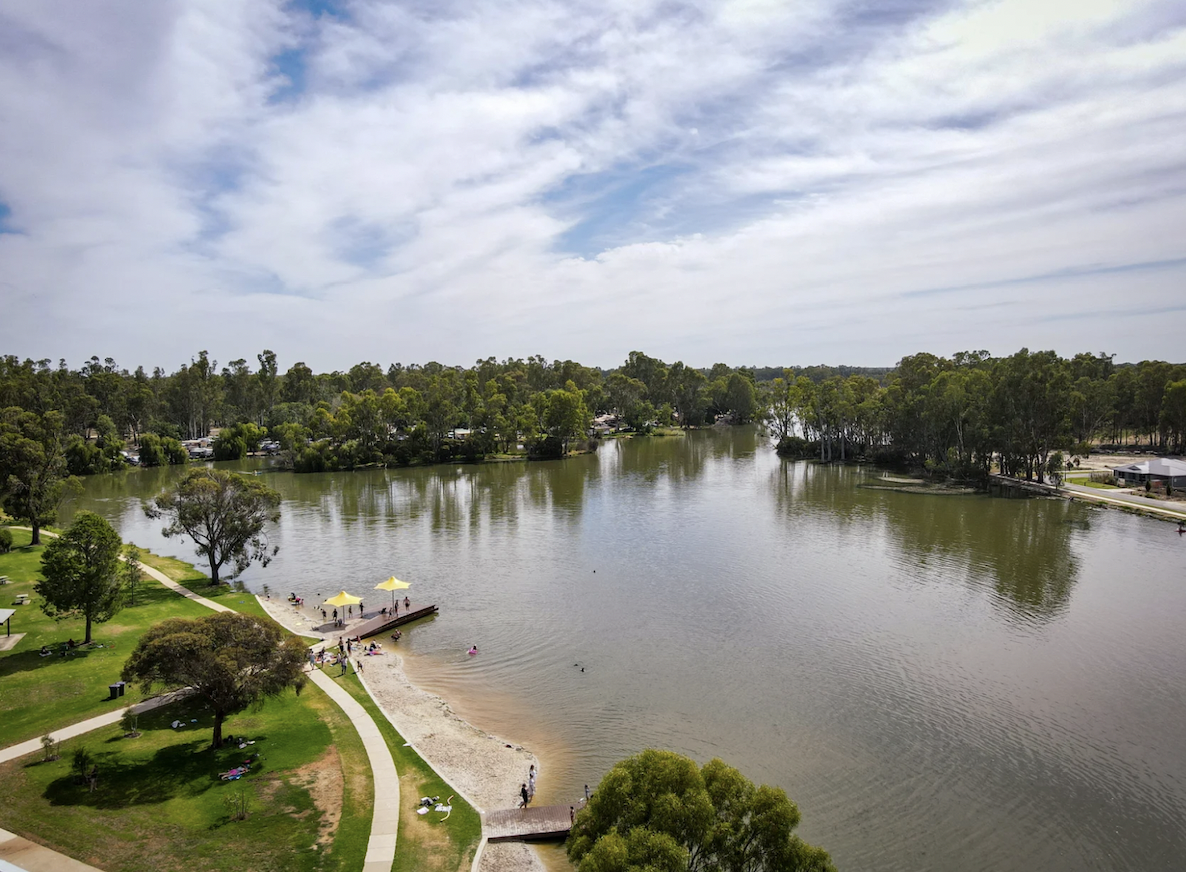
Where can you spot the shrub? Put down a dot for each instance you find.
(51, 748)
(80, 764)
(5, 540)
(175, 452)
(229, 447)
(84, 458)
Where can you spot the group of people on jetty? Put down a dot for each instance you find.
(339, 620)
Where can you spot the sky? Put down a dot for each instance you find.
(745, 181)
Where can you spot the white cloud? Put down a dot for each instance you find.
(751, 181)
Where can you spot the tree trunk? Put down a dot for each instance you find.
(36, 533)
(216, 742)
(213, 571)
(87, 640)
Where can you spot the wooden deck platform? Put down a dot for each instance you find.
(382, 623)
(527, 824)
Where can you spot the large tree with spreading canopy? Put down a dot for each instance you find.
(224, 513)
(229, 659)
(659, 812)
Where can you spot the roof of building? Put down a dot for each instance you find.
(1166, 466)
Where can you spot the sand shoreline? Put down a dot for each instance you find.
(486, 769)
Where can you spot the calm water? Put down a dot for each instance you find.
(940, 682)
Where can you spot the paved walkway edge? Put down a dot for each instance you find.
(385, 806)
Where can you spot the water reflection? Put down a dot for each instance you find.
(1021, 549)
(939, 681)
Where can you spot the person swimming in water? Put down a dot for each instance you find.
(473, 650)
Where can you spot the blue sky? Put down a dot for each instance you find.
(749, 181)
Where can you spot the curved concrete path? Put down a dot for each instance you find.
(385, 805)
(1122, 498)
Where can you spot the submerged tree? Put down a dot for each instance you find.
(231, 660)
(81, 573)
(658, 811)
(224, 513)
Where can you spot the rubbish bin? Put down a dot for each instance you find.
(114, 690)
(121, 687)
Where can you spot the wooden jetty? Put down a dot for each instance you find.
(529, 824)
(382, 623)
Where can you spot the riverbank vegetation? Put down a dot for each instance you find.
(157, 801)
(954, 417)
(659, 811)
(959, 417)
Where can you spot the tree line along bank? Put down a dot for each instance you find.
(954, 416)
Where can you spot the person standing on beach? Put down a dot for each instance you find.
(526, 796)
(531, 782)
(407, 604)
(335, 616)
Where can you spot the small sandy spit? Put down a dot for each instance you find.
(486, 769)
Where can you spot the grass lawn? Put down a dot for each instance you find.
(160, 805)
(425, 841)
(1087, 482)
(187, 575)
(39, 694)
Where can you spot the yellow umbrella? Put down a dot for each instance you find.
(392, 584)
(343, 599)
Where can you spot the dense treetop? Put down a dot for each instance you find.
(952, 415)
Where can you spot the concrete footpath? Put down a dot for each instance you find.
(385, 811)
(385, 814)
(1176, 511)
(21, 855)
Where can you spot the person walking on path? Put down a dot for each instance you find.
(335, 616)
(525, 795)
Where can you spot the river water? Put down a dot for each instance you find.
(940, 682)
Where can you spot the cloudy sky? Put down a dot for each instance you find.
(748, 181)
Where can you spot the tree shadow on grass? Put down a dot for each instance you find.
(188, 768)
(122, 783)
(27, 661)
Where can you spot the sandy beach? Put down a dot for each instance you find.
(487, 770)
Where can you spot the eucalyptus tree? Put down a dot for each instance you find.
(230, 661)
(225, 514)
(80, 576)
(658, 811)
(33, 474)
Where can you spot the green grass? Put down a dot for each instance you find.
(187, 575)
(161, 806)
(158, 805)
(1087, 482)
(40, 694)
(425, 842)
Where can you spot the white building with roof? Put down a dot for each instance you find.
(1165, 469)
